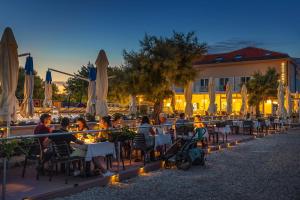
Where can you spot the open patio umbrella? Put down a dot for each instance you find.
(243, 109)
(228, 98)
(288, 102)
(47, 103)
(27, 108)
(212, 96)
(281, 112)
(91, 103)
(9, 70)
(132, 105)
(188, 94)
(101, 84)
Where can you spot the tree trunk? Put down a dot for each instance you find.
(158, 105)
(257, 112)
(173, 102)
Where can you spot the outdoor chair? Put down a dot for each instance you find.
(212, 133)
(222, 125)
(33, 152)
(62, 155)
(248, 127)
(139, 143)
(183, 129)
(233, 128)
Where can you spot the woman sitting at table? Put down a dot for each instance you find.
(165, 126)
(147, 130)
(117, 121)
(82, 126)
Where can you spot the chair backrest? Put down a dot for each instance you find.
(61, 149)
(229, 122)
(220, 124)
(247, 123)
(139, 141)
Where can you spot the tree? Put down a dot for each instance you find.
(38, 91)
(161, 63)
(261, 87)
(76, 87)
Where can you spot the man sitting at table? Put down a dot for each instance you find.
(80, 151)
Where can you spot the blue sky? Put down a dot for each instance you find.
(66, 34)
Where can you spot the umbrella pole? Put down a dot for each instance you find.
(5, 162)
(4, 178)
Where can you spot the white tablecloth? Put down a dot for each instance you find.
(99, 149)
(162, 139)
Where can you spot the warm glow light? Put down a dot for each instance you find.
(142, 171)
(168, 104)
(208, 150)
(228, 144)
(114, 178)
(269, 101)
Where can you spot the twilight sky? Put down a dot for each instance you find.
(65, 34)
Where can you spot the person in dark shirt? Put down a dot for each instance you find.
(61, 139)
(67, 139)
(43, 128)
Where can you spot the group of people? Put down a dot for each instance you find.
(79, 148)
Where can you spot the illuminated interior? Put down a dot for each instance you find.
(201, 102)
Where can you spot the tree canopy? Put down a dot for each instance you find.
(261, 87)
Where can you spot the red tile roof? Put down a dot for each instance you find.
(245, 54)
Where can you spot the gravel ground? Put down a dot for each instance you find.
(266, 168)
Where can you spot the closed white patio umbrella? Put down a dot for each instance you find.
(27, 108)
(101, 84)
(188, 94)
(243, 109)
(212, 96)
(288, 101)
(9, 70)
(228, 98)
(47, 103)
(281, 112)
(91, 103)
(132, 105)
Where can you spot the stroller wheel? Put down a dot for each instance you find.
(183, 161)
(200, 160)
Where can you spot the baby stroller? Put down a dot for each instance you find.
(184, 152)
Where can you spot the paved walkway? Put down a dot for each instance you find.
(265, 168)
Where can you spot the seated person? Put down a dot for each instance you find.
(165, 126)
(82, 126)
(146, 129)
(117, 121)
(181, 120)
(80, 149)
(197, 122)
(44, 128)
(104, 125)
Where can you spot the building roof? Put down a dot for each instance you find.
(245, 54)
